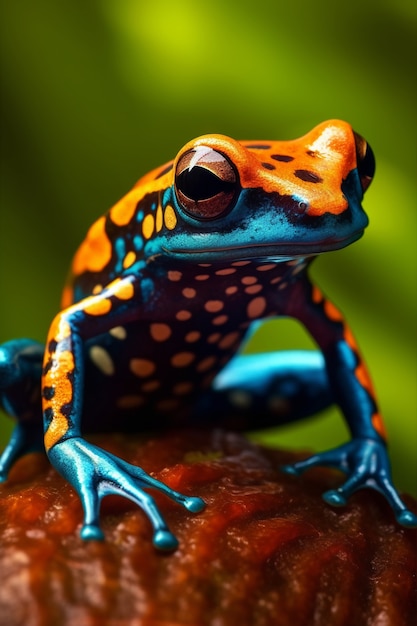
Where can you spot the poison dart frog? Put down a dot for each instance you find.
(162, 294)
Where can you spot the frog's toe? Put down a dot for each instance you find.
(91, 532)
(193, 504)
(163, 539)
(334, 497)
(292, 470)
(407, 518)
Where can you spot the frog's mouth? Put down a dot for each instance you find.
(272, 252)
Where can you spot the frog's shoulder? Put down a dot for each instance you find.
(107, 248)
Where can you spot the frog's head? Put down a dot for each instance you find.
(269, 199)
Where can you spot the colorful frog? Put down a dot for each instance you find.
(163, 292)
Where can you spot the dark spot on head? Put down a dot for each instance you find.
(282, 157)
(166, 169)
(258, 146)
(309, 177)
(311, 153)
(268, 166)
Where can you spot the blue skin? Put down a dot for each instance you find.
(308, 381)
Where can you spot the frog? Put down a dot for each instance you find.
(164, 293)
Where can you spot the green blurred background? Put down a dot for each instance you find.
(97, 92)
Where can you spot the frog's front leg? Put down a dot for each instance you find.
(93, 472)
(364, 459)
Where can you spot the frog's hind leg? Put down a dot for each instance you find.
(20, 397)
(264, 390)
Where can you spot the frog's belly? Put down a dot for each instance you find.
(148, 376)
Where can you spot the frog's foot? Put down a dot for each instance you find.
(25, 438)
(95, 473)
(365, 461)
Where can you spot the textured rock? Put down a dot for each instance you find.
(267, 551)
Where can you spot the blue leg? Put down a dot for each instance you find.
(266, 390)
(20, 389)
(276, 388)
(366, 463)
(95, 473)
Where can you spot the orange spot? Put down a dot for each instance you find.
(148, 225)
(379, 425)
(256, 307)
(129, 259)
(159, 218)
(150, 386)
(266, 268)
(213, 306)
(122, 289)
(142, 367)
(249, 280)
(363, 377)
(192, 336)
(229, 340)
(226, 272)
(350, 339)
(253, 289)
(125, 291)
(206, 364)
(219, 320)
(183, 316)
(332, 312)
(189, 292)
(122, 212)
(316, 295)
(182, 359)
(214, 338)
(174, 275)
(95, 252)
(97, 306)
(160, 332)
(170, 218)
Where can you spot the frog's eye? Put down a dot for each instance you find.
(206, 183)
(365, 161)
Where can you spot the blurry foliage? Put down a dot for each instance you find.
(96, 93)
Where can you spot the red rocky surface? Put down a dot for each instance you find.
(266, 551)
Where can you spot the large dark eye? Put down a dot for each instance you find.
(206, 183)
(365, 161)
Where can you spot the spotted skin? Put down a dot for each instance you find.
(163, 292)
